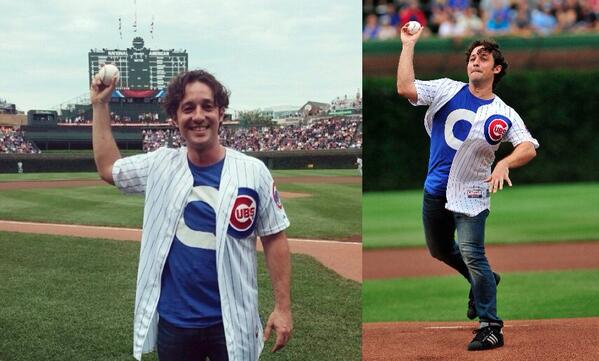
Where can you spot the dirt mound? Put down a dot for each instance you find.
(573, 339)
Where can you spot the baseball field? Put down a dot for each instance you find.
(543, 240)
(71, 298)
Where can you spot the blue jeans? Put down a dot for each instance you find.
(191, 344)
(467, 255)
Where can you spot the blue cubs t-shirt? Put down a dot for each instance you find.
(451, 125)
(189, 296)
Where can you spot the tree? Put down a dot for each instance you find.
(254, 118)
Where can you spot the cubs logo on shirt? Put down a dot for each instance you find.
(243, 216)
(276, 197)
(495, 128)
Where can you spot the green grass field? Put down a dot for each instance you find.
(10, 177)
(332, 212)
(315, 172)
(529, 295)
(521, 214)
(72, 299)
(88, 152)
(99, 205)
(94, 175)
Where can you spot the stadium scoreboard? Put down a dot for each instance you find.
(140, 67)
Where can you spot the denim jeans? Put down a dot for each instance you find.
(467, 255)
(191, 344)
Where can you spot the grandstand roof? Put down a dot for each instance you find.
(146, 93)
(313, 107)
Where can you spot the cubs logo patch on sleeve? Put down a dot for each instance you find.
(495, 128)
(276, 197)
(243, 215)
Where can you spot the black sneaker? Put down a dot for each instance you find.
(486, 338)
(471, 314)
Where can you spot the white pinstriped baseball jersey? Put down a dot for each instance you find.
(491, 124)
(165, 178)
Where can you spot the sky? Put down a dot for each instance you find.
(268, 53)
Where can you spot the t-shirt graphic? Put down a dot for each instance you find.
(451, 126)
(189, 297)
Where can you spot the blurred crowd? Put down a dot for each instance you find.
(327, 133)
(117, 119)
(13, 141)
(383, 19)
(154, 139)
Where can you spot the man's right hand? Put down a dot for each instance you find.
(100, 93)
(407, 38)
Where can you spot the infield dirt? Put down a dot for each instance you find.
(412, 262)
(568, 339)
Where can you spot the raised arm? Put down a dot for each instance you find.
(522, 154)
(106, 151)
(278, 262)
(405, 67)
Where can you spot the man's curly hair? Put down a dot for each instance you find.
(492, 47)
(176, 90)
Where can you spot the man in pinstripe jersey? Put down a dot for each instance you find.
(466, 124)
(204, 206)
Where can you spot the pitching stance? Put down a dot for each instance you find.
(466, 124)
(204, 206)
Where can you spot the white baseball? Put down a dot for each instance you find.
(107, 72)
(413, 27)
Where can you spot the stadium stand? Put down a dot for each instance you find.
(317, 134)
(462, 18)
(13, 141)
(314, 126)
(156, 138)
(117, 119)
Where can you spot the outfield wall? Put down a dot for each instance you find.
(438, 55)
(325, 159)
(80, 137)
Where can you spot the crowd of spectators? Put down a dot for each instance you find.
(13, 141)
(324, 133)
(154, 139)
(116, 119)
(383, 19)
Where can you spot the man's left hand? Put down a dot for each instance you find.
(498, 176)
(282, 323)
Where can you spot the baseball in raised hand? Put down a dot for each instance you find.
(411, 31)
(101, 93)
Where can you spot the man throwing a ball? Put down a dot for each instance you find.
(466, 124)
(204, 206)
